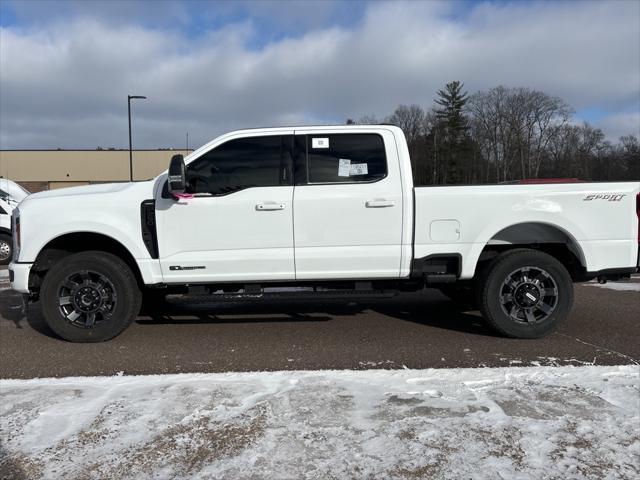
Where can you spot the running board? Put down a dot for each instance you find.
(257, 291)
(440, 278)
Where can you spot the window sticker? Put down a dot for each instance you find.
(320, 142)
(358, 169)
(344, 167)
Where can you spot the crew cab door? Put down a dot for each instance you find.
(239, 224)
(347, 205)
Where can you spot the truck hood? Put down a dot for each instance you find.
(104, 196)
(102, 188)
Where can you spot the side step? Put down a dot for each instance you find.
(440, 278)
(258, 291)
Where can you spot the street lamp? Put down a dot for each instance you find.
(129, 97)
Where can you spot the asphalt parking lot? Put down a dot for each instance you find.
(421, 330)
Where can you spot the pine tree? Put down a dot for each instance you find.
(452, 100)
(452, 122)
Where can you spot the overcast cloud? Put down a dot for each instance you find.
(212, 67)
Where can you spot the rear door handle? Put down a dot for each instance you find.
(380, 203)
(267, 206)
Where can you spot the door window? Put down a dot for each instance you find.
(345, 158)
(242, 163)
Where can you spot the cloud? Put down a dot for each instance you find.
(619, 124)
(65, 84)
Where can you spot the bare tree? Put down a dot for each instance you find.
(513, 126)
(368, 120)
(410, 118)
(507, 134)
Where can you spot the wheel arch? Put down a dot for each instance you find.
(67, 244)
(544, 236)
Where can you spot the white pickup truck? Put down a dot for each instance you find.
(328, 210)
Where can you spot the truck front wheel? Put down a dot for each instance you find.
(525, 293)
(90, 297)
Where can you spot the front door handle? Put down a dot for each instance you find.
(267, 206)
(380, 203)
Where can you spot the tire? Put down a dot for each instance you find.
(525, 293)
(6, 249)
(90, 297)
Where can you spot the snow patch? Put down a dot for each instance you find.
(531, 422)
(619, 286)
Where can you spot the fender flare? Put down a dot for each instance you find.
(469, 269)
(574, 245)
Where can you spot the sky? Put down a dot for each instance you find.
(67, 67)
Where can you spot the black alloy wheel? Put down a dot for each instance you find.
(90, 296)
(529, 295)
(87, 298)
(525, 293)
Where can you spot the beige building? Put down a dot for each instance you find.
(38, 170)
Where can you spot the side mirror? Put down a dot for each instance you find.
(177, 175)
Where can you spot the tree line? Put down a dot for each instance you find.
(507, 134)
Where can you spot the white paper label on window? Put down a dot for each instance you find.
(344, 167)
(358, 169)
(320, 142)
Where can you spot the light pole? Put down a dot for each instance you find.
(129, 97)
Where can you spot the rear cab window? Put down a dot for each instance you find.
(345, 158)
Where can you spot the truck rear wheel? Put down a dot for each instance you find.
(6, 248)
(525, 293)
(90, 297)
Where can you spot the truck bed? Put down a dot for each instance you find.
(594, 218)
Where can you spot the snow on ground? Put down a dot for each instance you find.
(620, 286)
(524, 423)
(630, 285)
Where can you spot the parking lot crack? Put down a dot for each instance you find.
(600, 347)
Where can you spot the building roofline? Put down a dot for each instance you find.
(94, 150)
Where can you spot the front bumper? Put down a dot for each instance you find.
(19, 276)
